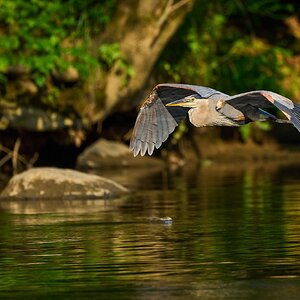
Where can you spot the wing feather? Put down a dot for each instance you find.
(295, 116)
(163, 123)
(160, 126)
(137, 147)
(153, 126)
(144, 148)
(148, 130)
(202, 91)
(264, 99)
(150, 148)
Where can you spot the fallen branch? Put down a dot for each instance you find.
(16, 158)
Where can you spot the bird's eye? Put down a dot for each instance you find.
(189, 98)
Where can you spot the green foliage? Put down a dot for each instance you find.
(275, 9)
(263, 126)
(246, 130)
(44, 35)
(51, 97)
(210, 49)
(111, 54)
(180, 131)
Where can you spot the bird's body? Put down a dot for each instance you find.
(168, 104)
(205, 114)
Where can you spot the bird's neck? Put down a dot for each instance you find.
(203, 114)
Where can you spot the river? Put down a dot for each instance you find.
(235, 234)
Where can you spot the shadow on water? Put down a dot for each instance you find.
(235, 235)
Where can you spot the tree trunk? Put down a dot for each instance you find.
(142, 28)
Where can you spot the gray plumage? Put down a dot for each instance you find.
(170, 103)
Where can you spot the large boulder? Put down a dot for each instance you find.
(107, 154)
(60, 183)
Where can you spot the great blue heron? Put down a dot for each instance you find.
(169, 103)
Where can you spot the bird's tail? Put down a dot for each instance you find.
(267, 116)
(295, 116)
(283, 121)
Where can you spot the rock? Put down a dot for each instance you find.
(15, 71)
(32, 118)
(158, 220)
(20, 87)
(107, 154)
(28, 87)
(100, 152)
(71, 75)
(105, 149)
(39, 183)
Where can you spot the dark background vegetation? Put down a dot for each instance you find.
(83, 67)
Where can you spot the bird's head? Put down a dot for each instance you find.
(189, 102)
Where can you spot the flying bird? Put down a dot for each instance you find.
(169, 103)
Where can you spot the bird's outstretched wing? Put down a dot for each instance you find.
(155, 121)
(264, 99)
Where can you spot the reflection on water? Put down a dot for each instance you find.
(235, 234)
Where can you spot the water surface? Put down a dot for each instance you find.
(235, 235)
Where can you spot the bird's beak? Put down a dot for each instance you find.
(182, 103)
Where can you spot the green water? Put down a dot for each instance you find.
(235, 235)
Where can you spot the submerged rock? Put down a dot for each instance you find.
(164, 220)
(60, 183)
(70, 207)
